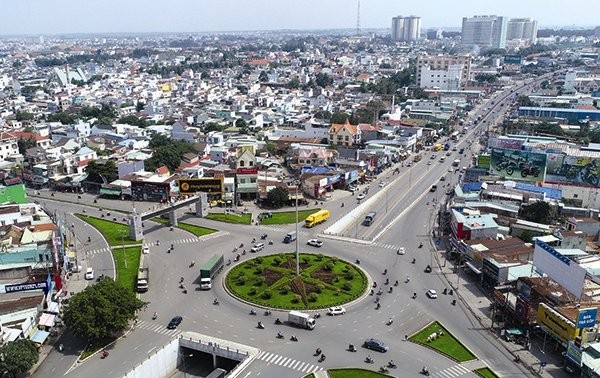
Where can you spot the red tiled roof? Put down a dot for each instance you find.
(162, 170)
(21, 134)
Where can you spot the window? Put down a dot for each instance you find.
(251, 163)
(347, 138)
(241, 163)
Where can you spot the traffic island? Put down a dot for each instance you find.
(436, 337)
(271, 281)
(284, 217)
(351, 373)
(485, 373)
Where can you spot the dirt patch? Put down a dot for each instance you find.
(291, 264)
(323, 275)
(271, 276)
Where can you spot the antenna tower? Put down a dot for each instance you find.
(358, 19)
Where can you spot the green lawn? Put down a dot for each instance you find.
(271, 281)
(126, 275)
(354, 373)
(446, 344)
(309, 376)
(286, 217)
(112, 231)
(485, 373)
(196, 230)
(230, 218)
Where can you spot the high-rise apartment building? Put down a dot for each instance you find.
(522, 28)
(446, 72)
(484, 31)
(406, 29)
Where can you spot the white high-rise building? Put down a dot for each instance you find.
(406, 29)
(484, 31)
(522, 28)
(446, 72)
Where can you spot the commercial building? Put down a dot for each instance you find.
(484, 31)
(406, 29)
(522, 28)
(443, 71)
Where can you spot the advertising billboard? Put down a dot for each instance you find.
(559, 268)
(150, 191)
(573, 170)
(518, 165)
(207, 185)
(483, 161)
(510, 144)
(586, 318)
(559, 326)
(512, 59)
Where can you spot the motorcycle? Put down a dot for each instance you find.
(378, 306)
(453, 302)
(260, 325)
(425, 372)
(383, 369)
(384, 272)
(104, 354)
(342, 204)
(279, 335)
(60, 347)
(380, 292)
(263, 237)
(318, 351)
(237, 258)
(267, 313)
(390, 289)
(369, 360)
(396, 283)
(154, 316)
(414, 295)
(322, 358)
(277, 321)
(270, 242)
(293, 338)
(391, 364)
(216, 302)
(351, 348)
(317, 315)
(420, 245)
(389, 322)
(357, 262)
(387, 281)
(414, 261)
(372, 292)
(252, 312)
(407, 280)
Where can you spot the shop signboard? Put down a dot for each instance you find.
(573, 170)
(510, 144)
(586, 318)
(483, 161)
(207, 185)
(556, 324)
(518, 165)
(247, 171)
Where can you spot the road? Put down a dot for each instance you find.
(404, 219)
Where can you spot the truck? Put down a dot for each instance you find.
(289, 237)
(301, 319)
(143, 275)
(456, 162)
(316, 218)
(210, 270)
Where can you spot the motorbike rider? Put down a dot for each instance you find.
(215, 301)
(279, 335)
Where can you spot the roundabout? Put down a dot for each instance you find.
(271, 281)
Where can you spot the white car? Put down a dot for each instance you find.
(353, 189)
(361, 196)
(401, 251)
(382, 184)
(89, 274)
(432, 294)
(429, 163)
(315, 243)
(146, 250)
(338, 310)
(450, 170)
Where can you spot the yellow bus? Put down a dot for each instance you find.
(437, 147)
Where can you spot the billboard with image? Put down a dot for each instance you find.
(573, 170)
(518, 165)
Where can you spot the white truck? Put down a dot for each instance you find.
(301, 319)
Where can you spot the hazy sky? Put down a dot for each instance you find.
(70, 16)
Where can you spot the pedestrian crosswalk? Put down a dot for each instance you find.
(157, 327)
(288, 362)
(451, 372)
(384, 245)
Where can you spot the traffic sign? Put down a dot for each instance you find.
(543, 364)
(437, 242)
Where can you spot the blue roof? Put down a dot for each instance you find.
(471, 186)
(316, 170)
(550, 192)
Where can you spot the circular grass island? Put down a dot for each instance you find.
(271, 281)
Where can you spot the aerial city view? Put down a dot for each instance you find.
(299, 189)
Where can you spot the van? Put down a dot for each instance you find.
(257, 247)
(289, 237)
(370, 218)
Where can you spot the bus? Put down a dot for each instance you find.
(437, 147)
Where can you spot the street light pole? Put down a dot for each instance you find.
(297, 254)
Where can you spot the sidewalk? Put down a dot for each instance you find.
(469, 295)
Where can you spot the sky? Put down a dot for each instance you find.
(114, 16)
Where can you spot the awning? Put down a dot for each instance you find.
(473, 267)
(514, 331)
(110, 192)
(47, 320)
(53, 308)
(40, 336)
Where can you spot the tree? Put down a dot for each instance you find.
(140, 106)
(294, 83)
(106, 169)
(487, 78)
(25, 144)
(241, 123)
(101, 310)
(539, 212)
(323, 80)
(339, 118)
(213, 126)
(133, 120)
(23, 116)
(18, 357)
(263, 77)
(278, 197)
(167, 152)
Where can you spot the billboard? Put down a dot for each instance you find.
(512, 59)
(559, 326)
(518, 165)
(483, 161)
(150, 191)
(586, 318)
(207, 185)
(573, 170)
(510, 144)
(559, 268)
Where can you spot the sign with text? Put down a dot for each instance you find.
(207, 185)
(587, 317)
(26, 287)
(247, 171)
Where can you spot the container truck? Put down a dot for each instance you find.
(210, 270)
(301, 319)
(316, 218)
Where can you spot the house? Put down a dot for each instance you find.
(8, 145)
(344, 135)
(180, 131)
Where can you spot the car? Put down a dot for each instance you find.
(443, 178)
(257, 247)
(315, 243)
(382, 184)
(448, 153)
(409, 164)
(449, 192)
(431, 293)
(361, 196)
(376, 345)
(450, 170)
(454, 149)
(433, 157)
(89, 274)
(146, 250)
(174, 322)
(401, 251)
(433, 188)
(352, 189)
(428, 163)
(337, 310)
